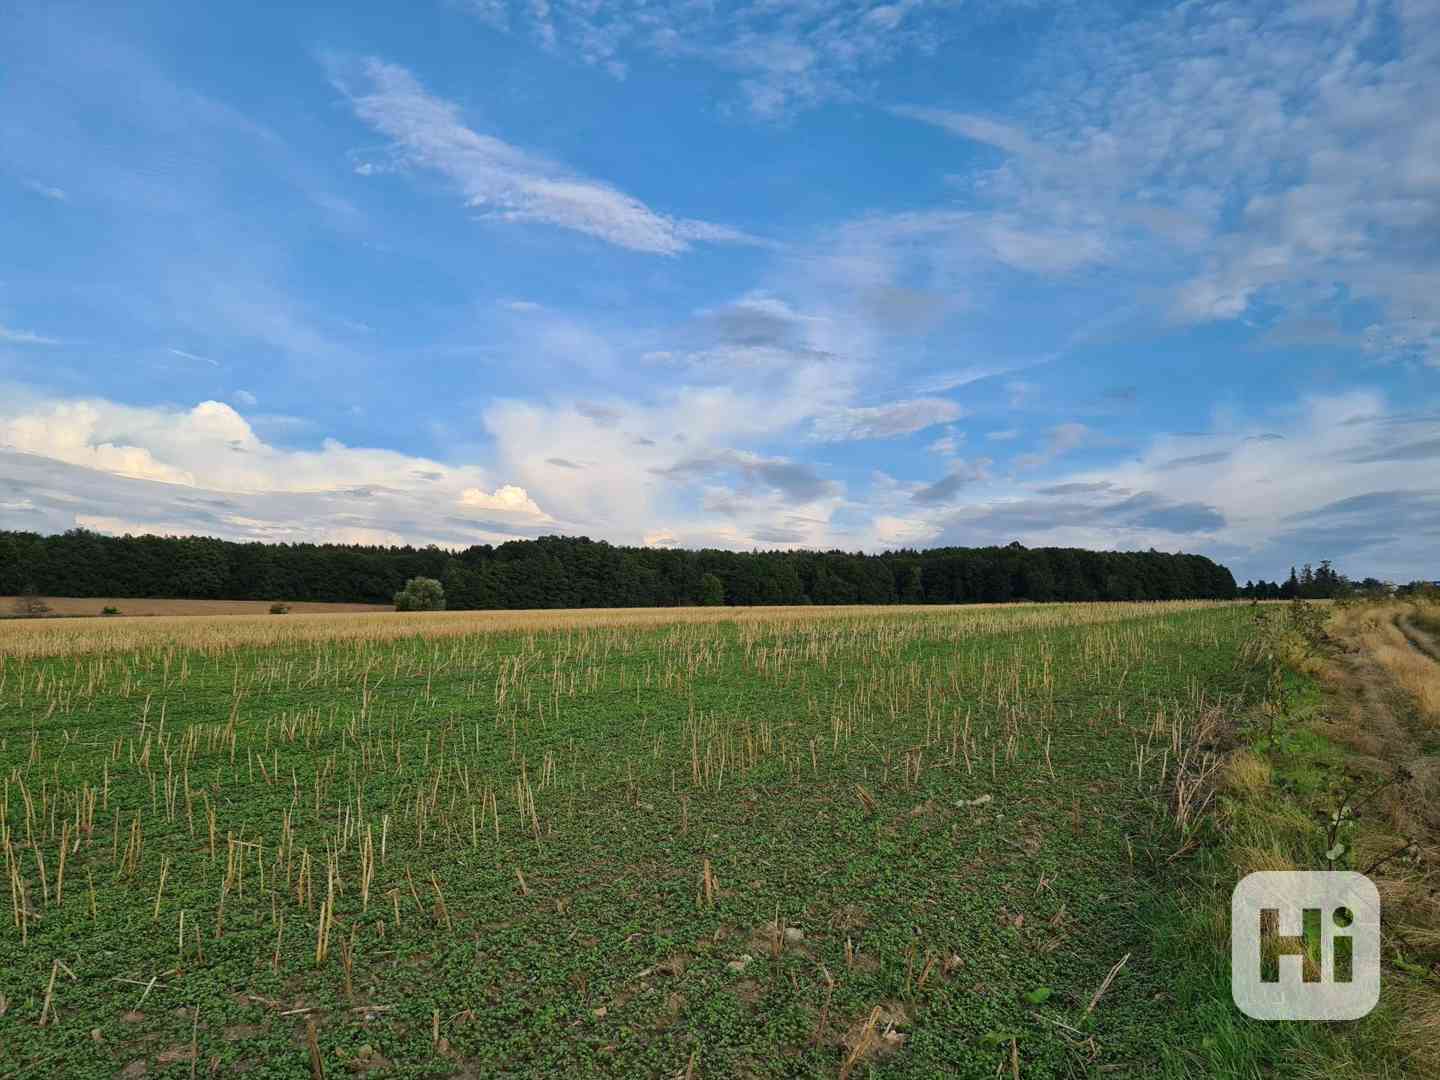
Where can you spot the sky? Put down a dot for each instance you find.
(817, 273)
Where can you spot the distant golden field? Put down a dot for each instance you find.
(314, 623)
(93, 605)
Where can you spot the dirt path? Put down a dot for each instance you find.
(1380, 690)
(1422, 640)
(1368, 709)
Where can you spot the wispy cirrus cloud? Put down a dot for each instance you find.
(783, 57)
(193, 356)
(12, 336)
(507, 183)
(1246, 156)
(980, 129)
(884, 421)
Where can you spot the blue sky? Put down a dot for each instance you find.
(820, 274)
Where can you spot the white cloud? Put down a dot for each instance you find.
(893, 531)
(649, 465)
(245, 397)
(783, 56)
(55, 194)
(884, 421)
(209, 446)
(993, 132)
(192, 356)
(1235, 154)
(204, 471)
(1042, 250)
(1062, 439)
(507, 499)
(25, 337)
(948, 445)
(507, 183)
(1341, 477)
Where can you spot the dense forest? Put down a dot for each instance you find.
(560, 571)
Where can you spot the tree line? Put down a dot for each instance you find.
(1324, 582)
(563, 571)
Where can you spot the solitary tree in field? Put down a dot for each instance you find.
(712, 591)
(421, 594)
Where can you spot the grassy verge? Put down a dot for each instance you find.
(1332, 733)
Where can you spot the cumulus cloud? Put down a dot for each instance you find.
(1347, 473)
(204, 469)
(506, 499)
(892, 531)
(1344, 477)
(1350, 479)
(49, 495)
(504, 182)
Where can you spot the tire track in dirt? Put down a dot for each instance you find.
(1421, 640)
(1368, 715)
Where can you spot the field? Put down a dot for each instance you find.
(128, 605)
(788, 842)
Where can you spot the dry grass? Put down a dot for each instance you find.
(36, 638)
(94, 605)
(1247, 774)
(1381, 632)
(1386, 651)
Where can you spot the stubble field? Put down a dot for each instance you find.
(794, 842)
(151, 606)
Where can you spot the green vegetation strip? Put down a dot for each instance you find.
(910, 844)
